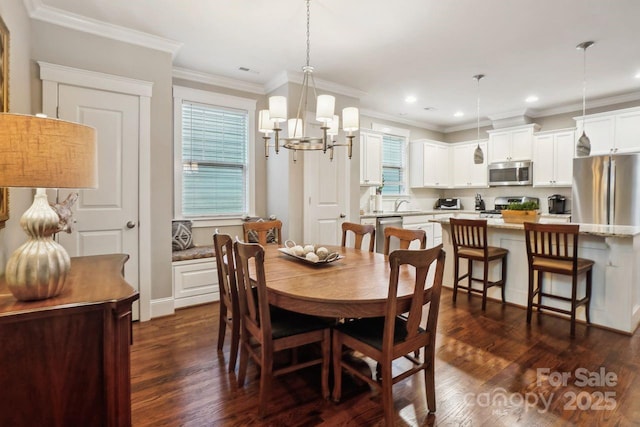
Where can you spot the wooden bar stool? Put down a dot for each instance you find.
(470, 242)
(360, 231)
(553, 248)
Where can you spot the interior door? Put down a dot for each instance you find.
(325, 204)
(106, 218)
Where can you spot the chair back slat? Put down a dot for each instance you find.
(359, 230)
(223, 246)
(255, 313)
(553, 241)
(469, 233)
(405, 236)
(262, 229)
(424, 293)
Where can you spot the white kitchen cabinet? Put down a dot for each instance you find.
(429, 164)
(553, 158)
(370, 159)
(511, 144)
(195, 282)
(467, 174)
(612, 132)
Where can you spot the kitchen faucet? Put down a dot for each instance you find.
(397, 203)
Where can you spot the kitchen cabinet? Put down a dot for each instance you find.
(613, 132)
(553, 158)
(467, 174)
(511, 144)
(370, 158)
(429, 164)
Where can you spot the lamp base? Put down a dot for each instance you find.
(38, 269)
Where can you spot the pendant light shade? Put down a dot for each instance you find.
(478, 155)
(583, 148)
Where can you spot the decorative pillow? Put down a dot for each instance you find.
(253, 235)
(181, 237)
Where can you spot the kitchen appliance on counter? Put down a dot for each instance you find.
(557, 204)
(448, 204)
(479, 202)
(606, 190)
(503, 202)
(511, 173)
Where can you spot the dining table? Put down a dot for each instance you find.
(355, 285)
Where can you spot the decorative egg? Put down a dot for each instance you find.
(312, 257)
(308, 249)
(298, 250)
(322, 252)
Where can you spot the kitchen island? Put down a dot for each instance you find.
(615, 300)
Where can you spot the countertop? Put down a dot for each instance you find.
(451, 212)
(587, 229)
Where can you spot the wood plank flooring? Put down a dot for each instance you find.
(491, 370)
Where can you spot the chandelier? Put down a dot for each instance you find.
(297, 136)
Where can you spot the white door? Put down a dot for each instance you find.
(326, 185)
(106, 218)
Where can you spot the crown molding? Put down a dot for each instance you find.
(41, 12)
(296, 77)
(392, 118)
(467, 126)
(593, 103)
(215, 80)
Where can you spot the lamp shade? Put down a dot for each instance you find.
(265, 125)
(324, 109)
(278, 108)
(46, 153)
(350, 119)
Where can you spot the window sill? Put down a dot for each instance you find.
(215, 222)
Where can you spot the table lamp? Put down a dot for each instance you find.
(41, 153)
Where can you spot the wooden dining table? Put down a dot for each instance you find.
(355, 285)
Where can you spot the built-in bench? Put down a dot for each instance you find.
(195, 276)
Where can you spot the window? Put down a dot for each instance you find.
(393, 148)
(214, 142)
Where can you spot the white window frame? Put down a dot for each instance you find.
(401, 132)
(185, 94)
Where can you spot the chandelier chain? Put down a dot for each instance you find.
(308, 34)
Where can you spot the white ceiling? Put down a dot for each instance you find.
(386, 50)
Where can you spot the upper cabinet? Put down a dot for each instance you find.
(611, 132)
(465, 172)
(370, 158)
(512, 144)
(429, 164)
(553, 158)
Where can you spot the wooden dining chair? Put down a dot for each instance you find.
(553, 248)
(261, 231)
(470, 242)
(405, 236)
(360, 231)
(229, 315)
(266, 331)
(387, 338)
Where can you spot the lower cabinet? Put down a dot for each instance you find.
(195, 282)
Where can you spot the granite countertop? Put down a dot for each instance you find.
(414, 213)
(586, 229)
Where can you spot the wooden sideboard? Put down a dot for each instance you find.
(65, 361)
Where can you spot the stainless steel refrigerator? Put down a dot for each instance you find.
(606, 190)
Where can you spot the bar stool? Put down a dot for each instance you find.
(553, 248)
(470, 242)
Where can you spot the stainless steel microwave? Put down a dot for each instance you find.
(511, 173)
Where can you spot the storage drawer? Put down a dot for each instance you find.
(195, 282)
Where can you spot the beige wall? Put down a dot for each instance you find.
(58, 45)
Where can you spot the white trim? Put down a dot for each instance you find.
(212, 79)
(52, 76)
(296, 77)
(41, 12)
(180, 94)
(608, 113)
(93, 79)
(399, 119)
(162, 307)
(391, 130)
(196, 300)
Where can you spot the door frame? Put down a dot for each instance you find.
(52, 75)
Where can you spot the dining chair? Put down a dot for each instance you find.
(470, 242)
(360, 231)
(229, 315)
(405, 236)
(260, 231)
(553, 248)
(267, 330)
(393, 336)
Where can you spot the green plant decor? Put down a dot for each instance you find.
(523, 206)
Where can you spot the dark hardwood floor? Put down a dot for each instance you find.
(491, 370)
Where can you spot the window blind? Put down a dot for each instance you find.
(214, 157)
(393, 164)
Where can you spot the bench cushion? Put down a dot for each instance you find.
(195, 252)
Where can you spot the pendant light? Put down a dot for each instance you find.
(478, 155)
(583, 148)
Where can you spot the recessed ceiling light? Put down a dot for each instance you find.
(410, 99)
(637, 75)
(458, 114)
(531, 98)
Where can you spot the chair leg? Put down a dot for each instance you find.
(265, 383)
(244, 361)
(485, 284)
(337, 366)
(588, 304)
(326, 359)
(469, 281)
(530, 296)
(574, 295)
(222, 324)
(429, 381)
(387, 394)
(456, 273)
(540, 278)
(235, 342)
(504, 278)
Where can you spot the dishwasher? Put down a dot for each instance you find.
(381, 224)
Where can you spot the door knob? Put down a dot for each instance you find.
(342, 215)
(131, 224)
